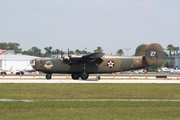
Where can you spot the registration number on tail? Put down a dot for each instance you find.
(153, 53)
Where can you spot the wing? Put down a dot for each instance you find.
(93, 56)
(83, 59)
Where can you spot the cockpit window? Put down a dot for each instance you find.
(48, 63)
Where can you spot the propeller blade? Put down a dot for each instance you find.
(68, 52)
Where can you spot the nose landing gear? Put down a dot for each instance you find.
(48, 76)
(84, 74)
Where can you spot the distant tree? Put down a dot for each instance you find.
(48, 51)
(57, 51)
(4, 46)
(120, 52)
(77, 51)
(166, 59)
(84, 51)
(176, 50)
(170, 48)
(34, 51)
(99, 49)
(11, 46)
(15, 47)
(71, 52)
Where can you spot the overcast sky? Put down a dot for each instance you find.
(80, 24)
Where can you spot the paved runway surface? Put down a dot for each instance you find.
(87, 81)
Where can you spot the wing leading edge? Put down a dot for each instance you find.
(84, 59)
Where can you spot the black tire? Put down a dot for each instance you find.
(48, 76)
(75, 76)
(84, 75)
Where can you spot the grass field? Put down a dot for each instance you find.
(89, 101)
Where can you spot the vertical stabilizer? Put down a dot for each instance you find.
(154, 54)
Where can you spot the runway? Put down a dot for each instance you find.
(65, 81)
(92, 79)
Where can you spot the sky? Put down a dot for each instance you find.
(80, 24)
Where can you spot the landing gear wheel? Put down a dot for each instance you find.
(84, 75)
(75, 76)
(48, 76)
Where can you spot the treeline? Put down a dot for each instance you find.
(35, 51)
(169, 51)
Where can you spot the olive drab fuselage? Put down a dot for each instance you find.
(106, 65)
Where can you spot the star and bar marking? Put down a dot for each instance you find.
(110, 64)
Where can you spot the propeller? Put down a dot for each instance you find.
(68, 53)
(61, 54)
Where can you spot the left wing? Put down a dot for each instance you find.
(93, 56)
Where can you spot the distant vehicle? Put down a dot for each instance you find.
(165, 69)
(141, 71)
(23, 71)
(172, 71)
(4, 71)
(177, 71)
(158, 70)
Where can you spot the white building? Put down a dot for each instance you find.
(16, 61)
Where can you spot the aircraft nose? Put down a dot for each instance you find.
(33, 63)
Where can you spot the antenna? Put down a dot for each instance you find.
(127, 50)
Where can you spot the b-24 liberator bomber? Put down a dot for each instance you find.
(98, 63)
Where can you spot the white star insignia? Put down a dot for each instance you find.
(110, 64)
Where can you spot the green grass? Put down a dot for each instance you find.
(89, 110)
(53, 101)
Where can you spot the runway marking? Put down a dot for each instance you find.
(91, 100)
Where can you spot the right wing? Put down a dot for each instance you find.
(83, 59)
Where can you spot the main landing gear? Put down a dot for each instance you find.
(84, 75)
